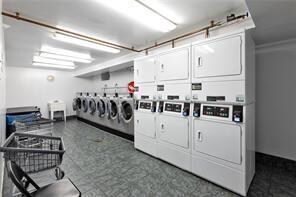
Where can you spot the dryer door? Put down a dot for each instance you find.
(126, 111)
(145, 124)
(101, 108)
(113, 109)
(84, 105)
(218, 58)
(92, 106)
(217, 139)
(174, 130)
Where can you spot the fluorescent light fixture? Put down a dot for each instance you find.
(141, 13)
(163, 9)
(64, 52)
(62, 57)
(52, 66)
(84, 43)
(52, 61)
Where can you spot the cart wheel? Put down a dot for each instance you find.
(59, 173)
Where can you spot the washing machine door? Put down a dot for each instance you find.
(92, 106)
(101, 108)
(84, 105)
(74, 104)
(126, 111)
(113, 109)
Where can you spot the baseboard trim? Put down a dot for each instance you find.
(107, 129)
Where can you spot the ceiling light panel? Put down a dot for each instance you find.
(62, 57)
(64, 52)
(52, 61)
(84, 43)
(52, 66)
(139, 12)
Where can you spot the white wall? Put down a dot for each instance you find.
(2, 98)
(29, 86)
(276, 96)
(120, 77)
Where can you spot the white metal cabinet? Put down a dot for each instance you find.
(145, 124)
(145, 70)
(174, 65)
(217, 139)
(218, 58)
(174, 130)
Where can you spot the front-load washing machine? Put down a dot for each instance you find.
(77, 103)
(126, 114)
(174, 133)
(84, 106)
(113, 112)
(92, 103)
(223, 69)
(223, 144)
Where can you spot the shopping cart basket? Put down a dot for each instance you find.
(40, 126)
(34, 153)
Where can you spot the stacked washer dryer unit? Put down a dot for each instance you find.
(145, 96)
(205, 122)
(223, 91)
(173, 126)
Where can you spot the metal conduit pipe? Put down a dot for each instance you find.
(229, 19)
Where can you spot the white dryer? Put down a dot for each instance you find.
(173, 129)
(145, 126)
(223, 69)
(223, 144)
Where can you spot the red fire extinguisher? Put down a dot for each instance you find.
(131, 87)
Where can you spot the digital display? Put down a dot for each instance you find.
(173, 107)
(145, 105)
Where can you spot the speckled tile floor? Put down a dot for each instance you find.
(101, 164)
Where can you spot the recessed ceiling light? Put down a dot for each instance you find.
(62, 57)
(52, 66)
(140, 12)
(52, 61)
(84, 43)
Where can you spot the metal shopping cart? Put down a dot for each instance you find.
(34, 153)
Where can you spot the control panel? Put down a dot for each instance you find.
(173, 107)
(182, 108)
(145, 105)
(216, 111)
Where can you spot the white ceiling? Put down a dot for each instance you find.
(275, 20)
(89, 17)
